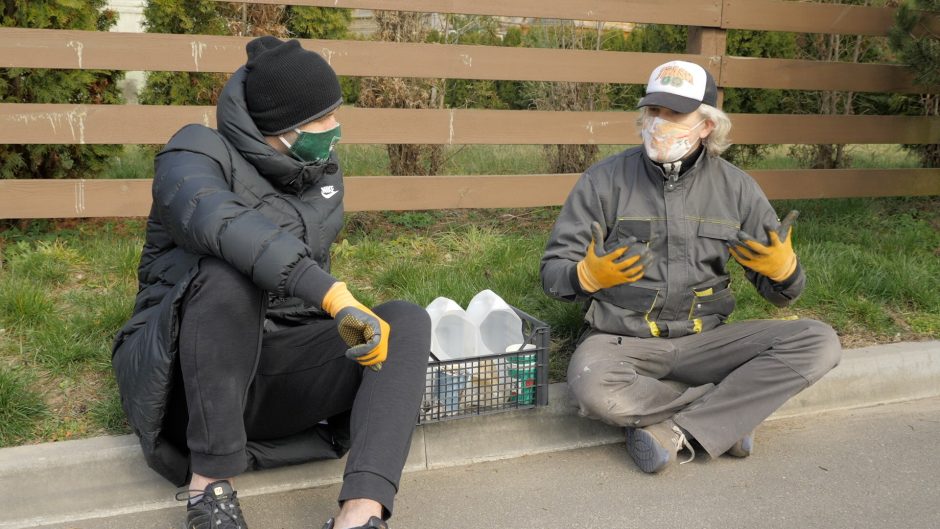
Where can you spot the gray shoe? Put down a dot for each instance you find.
(742, 448)
(656, 447)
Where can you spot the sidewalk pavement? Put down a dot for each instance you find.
(863, 468)
(73, 480)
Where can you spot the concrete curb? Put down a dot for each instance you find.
(107, 476)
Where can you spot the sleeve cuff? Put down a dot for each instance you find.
(309, 282)
(576, 283)
(780, 286)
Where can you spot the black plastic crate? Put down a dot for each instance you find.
(482, 385)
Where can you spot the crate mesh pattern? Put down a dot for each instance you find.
(489, 384)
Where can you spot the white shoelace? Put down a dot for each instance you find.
(683, 442)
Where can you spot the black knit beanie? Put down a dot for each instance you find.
(287, 86)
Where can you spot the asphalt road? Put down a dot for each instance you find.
(875, 467)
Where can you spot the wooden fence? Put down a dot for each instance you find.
(708, 21)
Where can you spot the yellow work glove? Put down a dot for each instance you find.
(365, 333)
(777, 261)
(600, 269)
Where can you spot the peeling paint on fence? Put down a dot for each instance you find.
(75, 119)
(198, 48)
(79, 48)
(80, 196)
(463, 194)
(591, 124)
(450, 133)
(328, 55)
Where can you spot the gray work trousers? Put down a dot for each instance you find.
(717, 385)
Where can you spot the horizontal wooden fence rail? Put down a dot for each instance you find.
(102, 50)
(809, 17)
(154, 124)
(767, 15)
(38, 48)
(682, 12)
(747, 72)
(708, 21)
(828, 183)
(131, 198)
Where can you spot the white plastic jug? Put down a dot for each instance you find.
(453, 335)
(499, 326)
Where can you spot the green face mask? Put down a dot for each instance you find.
(313, 146)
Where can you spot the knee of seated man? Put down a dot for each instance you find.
(830, 345)
(406, 317)
(598, 395)
(403, 313)
(827, 350)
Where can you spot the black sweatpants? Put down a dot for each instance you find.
(300, 377)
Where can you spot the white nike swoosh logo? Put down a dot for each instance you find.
(328, 194)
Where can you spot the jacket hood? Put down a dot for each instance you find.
(236, 125)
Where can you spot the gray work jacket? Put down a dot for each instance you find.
(686, 221)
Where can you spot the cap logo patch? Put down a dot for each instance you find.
(675, 76)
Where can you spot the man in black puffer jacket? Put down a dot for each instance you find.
(243, 352)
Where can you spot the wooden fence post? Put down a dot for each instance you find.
(712, 43)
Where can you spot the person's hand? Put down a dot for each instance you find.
(600, 269)
(777, 261)
(365, 333)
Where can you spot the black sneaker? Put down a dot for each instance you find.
(374, 523)
(217, 509)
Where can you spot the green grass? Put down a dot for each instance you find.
(65, 289)
(860, 157)
(372, 160)
(137, 162)
(872, 267)
(20, 406)
(871, 264)
(67, 286)
(24, 304)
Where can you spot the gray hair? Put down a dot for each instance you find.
(718, 139)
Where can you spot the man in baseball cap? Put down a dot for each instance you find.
(681, 87)
(673, 126)
(643, 242)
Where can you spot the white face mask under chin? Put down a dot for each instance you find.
(666, 141)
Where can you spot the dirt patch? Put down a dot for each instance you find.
(855, 341)
(70, 400)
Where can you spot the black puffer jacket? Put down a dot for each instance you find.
(225, 193)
